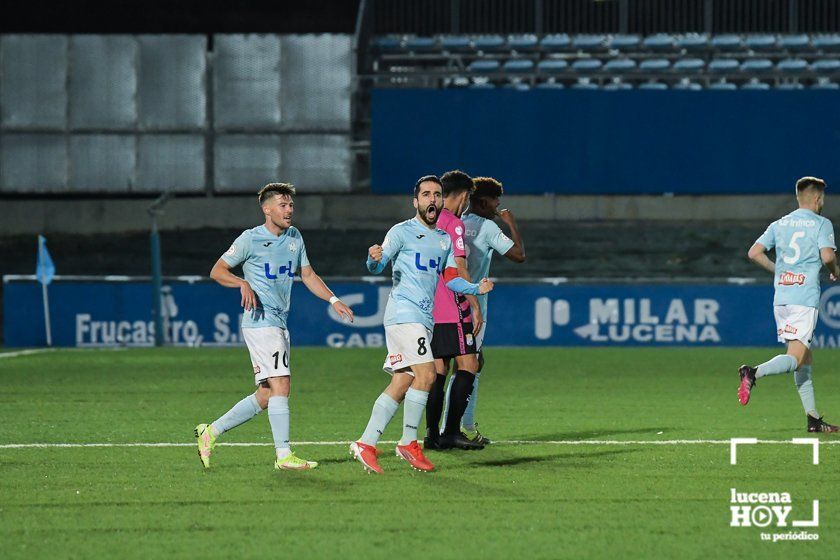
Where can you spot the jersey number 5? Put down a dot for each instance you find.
(797, 251)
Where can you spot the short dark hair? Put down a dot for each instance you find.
(806, 183)
(275, 189)
(487, 187)
(423, 179)
(456, 181)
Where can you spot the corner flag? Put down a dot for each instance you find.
(45, 271)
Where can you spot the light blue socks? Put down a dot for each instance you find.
(278, 417)
(241, 412)
(383, 410)
(783, 363)
(805, 385)
(415, 404)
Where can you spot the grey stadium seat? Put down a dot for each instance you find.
(550, 85)
(792, 65)
(689, 65)
(518, 66)
(827, 43)
(523, 43)
(550, 66)
(589, 43)
(421, 44)
(518, 86)
(617, 86)
(760, 42)
(757, 65)
(795, 42)
(388, 44)
(584, 85)
(490, 43)
(483, 85)
(658, 42)
(826, 66)
(722, 86)
(825, 85)
(620, 65)
(756, 85)
(654, 65)
(688, 86)
(653, 85)
(479, 66)
(456, 43)
(726, 42)
(556, 42)
(790, 85)
(586, 65)
(625, 42)
(723, 66)
(693, 42)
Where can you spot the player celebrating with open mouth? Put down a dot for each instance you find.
(804, 242)
(419, 252)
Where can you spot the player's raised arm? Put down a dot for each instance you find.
(380, 255)
(319, 288)
(517, 252)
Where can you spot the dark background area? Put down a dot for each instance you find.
(179, 16)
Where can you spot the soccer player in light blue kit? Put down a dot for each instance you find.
(418, 252)
(804, 242)
(271, 256)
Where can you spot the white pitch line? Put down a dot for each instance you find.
(25, 352)
(327, 443)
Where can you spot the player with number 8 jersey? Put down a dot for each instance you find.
(804, 243)
(271, 256)
(419, 252)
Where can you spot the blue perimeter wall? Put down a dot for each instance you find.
(607, 142)
(521, 314)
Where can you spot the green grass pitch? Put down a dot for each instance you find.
(538, 499)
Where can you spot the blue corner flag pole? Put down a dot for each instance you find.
(45, 271)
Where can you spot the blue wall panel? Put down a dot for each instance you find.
(537, 314)
(607, 142)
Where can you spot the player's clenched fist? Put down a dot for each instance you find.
(485, 286)
(375, 252)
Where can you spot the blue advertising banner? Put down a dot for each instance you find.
(522, 314)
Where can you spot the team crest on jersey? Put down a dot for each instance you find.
(395, 358)
(460, 243)
(443, 244)
(292, 246)
(459, 230)
(232, 250)
(791, 279)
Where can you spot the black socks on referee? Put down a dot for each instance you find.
(459, 395)
(434, 406)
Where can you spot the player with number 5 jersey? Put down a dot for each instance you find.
(271, 256)
(804, 243)
(418, 252)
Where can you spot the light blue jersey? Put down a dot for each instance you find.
(798, 238)
(269, 264)
(483, 237)
(417, 255)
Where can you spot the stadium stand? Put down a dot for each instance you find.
(745, 61)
